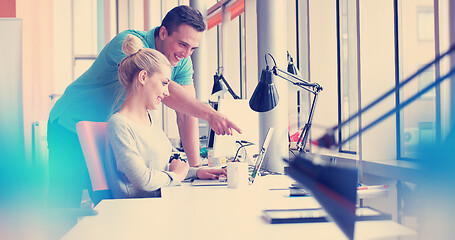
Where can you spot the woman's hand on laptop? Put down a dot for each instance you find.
(210, 173)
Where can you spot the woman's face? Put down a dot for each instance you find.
(156, 87)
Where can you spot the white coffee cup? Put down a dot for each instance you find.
(213, 161)
(237, 174)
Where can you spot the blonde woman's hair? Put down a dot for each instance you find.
(137, 59)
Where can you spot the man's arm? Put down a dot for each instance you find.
(189, 132)
(183, 102)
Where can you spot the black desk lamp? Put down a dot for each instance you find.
(335, 188)
(220, 87)
(293, 69)
(265, 96)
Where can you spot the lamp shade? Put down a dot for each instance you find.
(265, 96)
(219, 88)
(292, 68)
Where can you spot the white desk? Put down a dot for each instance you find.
(210, 212)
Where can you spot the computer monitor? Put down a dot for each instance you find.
(239, 112)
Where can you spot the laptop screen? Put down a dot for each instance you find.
(262, 152)
(257, 166)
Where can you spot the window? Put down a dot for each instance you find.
(231, 54)
(425, 22)
(417, 48)
(226, 41)
(323, 68)
(84, 35)
(348, 71)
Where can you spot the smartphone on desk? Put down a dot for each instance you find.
(295, 215)
(296, 190)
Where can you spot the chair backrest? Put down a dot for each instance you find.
(93, 142)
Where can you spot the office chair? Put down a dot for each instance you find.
(93, 143)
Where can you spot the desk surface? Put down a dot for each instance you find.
(216, 212)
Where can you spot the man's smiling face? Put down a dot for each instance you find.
(180, 44)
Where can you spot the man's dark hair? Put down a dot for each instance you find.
(182, 14)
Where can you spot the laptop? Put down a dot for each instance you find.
(254, 172)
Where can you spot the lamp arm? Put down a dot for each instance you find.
(301, 143)
(235, 96)
(316, 88)
(301, 81)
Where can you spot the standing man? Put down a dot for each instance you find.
(97, 93)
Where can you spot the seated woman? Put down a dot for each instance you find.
(141, 149)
